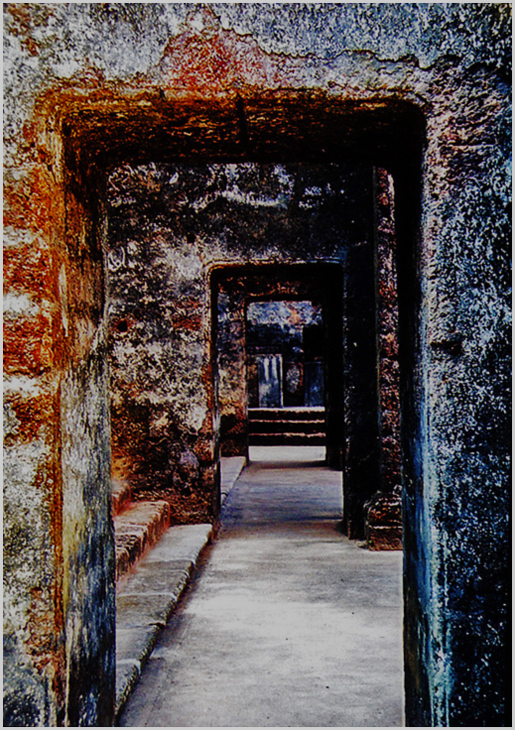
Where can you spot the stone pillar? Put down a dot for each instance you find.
(333, 302)
(457, 501)
(383, 514)
(361, 460)
(34, 651)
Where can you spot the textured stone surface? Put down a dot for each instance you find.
(383, 513)
(383, 525)
(137, 610)
(88, 86)
(137, 529)
(157, 577)
(120, 495)
(230, 468)
(169, 225)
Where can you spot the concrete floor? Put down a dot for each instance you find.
(288, 623)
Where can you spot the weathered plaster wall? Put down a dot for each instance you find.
(465, 421)
(88, 84)
(59, 650)
(168, 226)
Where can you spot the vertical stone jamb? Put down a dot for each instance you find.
(232, 367)
(88, 540)
(383, 514)
(34, 351)
(331, 294)
(59, 619)
(361, 428)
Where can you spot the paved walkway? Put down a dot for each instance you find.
(154, 579)
(288, 623)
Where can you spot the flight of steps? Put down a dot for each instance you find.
(287, 426)
(137, 526)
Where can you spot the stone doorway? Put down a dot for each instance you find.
(285, 354)
(350, 295)
(98, 155)
(285, 343)
(184, 362)
(107, 85)
(241, 348)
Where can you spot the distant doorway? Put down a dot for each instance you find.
(286, 374)
(285, 354)
(279, 357)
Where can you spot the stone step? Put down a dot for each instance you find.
(136, 529)
(263, 426)
(286, 426)
(230, 469)
(287, 414)
(147, 598)
(121, 495)
(287, 439)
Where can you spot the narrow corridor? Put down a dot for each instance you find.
(288, 622)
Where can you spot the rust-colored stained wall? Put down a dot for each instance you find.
(33, 351)
(57, 538)
(87, 85)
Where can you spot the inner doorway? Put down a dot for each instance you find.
(279, 357)
(285, 354)
(286, 377)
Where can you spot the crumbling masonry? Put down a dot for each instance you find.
(162, 159)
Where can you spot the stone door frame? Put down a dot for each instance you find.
(90, 132)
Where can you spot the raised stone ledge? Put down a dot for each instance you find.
(231, 467)
(136, 529)
(147, 597)
(148, 594)
(121, 495)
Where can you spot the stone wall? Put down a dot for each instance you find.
(361, 470)
(383, 522)
(169, 226)
(421, 90)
